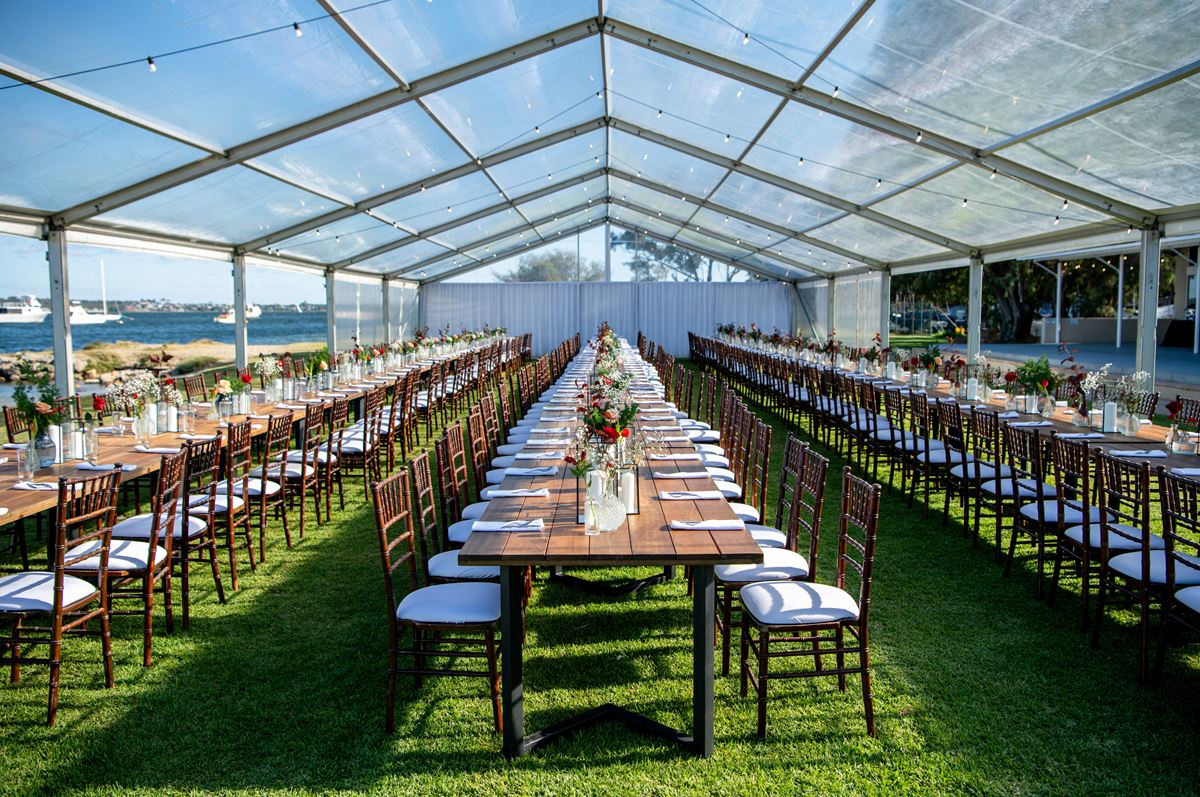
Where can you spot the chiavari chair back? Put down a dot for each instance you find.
(194, 389)
(1179, 504)
(197, 541)
(16, 424)
(86, 512)
(1029, 467)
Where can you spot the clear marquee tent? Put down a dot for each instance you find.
(389, 145)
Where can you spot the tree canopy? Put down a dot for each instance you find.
(655, 261)
(554, 266)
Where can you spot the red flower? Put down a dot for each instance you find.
(570, 460)
(245, 379)
(595, 403)
(170, 382)
(1173, 408)
(1045, 383)
(624, 433)
(99, 403)
(1010, 377)
(961, 363)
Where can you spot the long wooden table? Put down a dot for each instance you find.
(645, 539)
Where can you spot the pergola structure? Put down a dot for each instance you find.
(407, 142)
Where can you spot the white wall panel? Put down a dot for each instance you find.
(856, 311)
(359, 309)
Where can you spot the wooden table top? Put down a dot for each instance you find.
(120, 448)
(643, 539)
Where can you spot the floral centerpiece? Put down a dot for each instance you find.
(1128, 392)
(1038, 383)
(37, 402)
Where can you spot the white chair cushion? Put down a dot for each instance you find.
(1189, 597)
(33, 591)
(293, 470)
(1072, 515)
(1130, 566)
(1116, 542)
(474, 511)
(709, 448)
(521, 438)
(942, 456)
(458, 532)
(254, 487)
(702, 435)
(122, 555)
(321, 456)
(797, 603)
(504, 462)
(139, 527)
(198, 503)
(495, 476)
(729, 489)
(356, 445)
(986, 471)
(445, 565)
(466, 603)
(913, 444)
(688, 423)
(889, 435)
(714, 460)
(778, 564)
(1030, 488)
(767, 536)
(720, 474)
(746, 512)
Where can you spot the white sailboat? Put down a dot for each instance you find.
(81, 316)
(228, 317)
(26, 311)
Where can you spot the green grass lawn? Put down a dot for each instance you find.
(979, 689)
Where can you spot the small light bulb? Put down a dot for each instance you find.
(964, 204)
(479, 161)
(150, 62)
(836, 92)
(726, 138)
(800, 162)
(296, 27)
(659, 115)
(449, 209)
(879, 182)
(1057, 219)
(920, 135)
(1064, 204)
(537, 128)
(1130, 230)
(422, 188)
(993, 175)
(745, 38)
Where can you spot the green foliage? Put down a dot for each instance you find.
(36, 396)
(654, 261)
(554, 266)
(196, 364)
(1036, 376)
(104, 362)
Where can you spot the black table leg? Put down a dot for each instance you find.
(512, 687)
(704, 603)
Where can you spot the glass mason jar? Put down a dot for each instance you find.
(44, 448)
(1047, 406)
(91, 442)
(142, 429)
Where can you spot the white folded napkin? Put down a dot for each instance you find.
(521, 493)
(690, 495)
(342, 391)
(1031, 424)
(536, 524)
(14, 446)
(3, 511)
(107, 430)
(672, 428)
(548, 443)
(652, 418)
(1080, 435)
(539, 455)
(998, 394)
(551, 430)
(546, 470)
(323, 394)
(201, 436)
(1009, 414)
(361, 386)
(681, 474)
(38, 486)
(708, 525)
(290, 406)
(1145, 453)
(676, 457)
(1186, 471)
(311, 401)
(104, 467)
(155, 449)
(260, 417)
(671, 439)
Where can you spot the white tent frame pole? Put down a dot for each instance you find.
(1147, 322)
(331, 315)
(240, 339)
(1058, 297)
(830, 306)
(386, 308)
(885, 308)
(607, 250)
(60, 310)
(974, 307)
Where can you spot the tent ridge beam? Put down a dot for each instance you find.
(500, 255)
(699, 250)
(788, 185)
(876, 121)
(453, 173)
(474, 216)
(327, 121)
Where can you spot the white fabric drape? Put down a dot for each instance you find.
(856, 314)
(814, 311)
(402, 304)
(359, 310)
(664, 311)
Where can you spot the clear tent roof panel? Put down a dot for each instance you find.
(771, 203)
(575, 156)
(997, 209)
(441, 203)
(340, 240)
(869, 239)
(786, 35)
(1145, 152)
(57, 154)
(384, 151)
(546, 93)
(814, 255)
(220, 95)
(402, 257)
(663, 165)
(696, 105)
(640, 222)
(840, 157)
(498, 249)
(984, 70)
(734, 228)
(467, 234)
(649, 198)
(689, 235)
(569, 222)
(230, 206)
(418, 37)
(568, 197)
